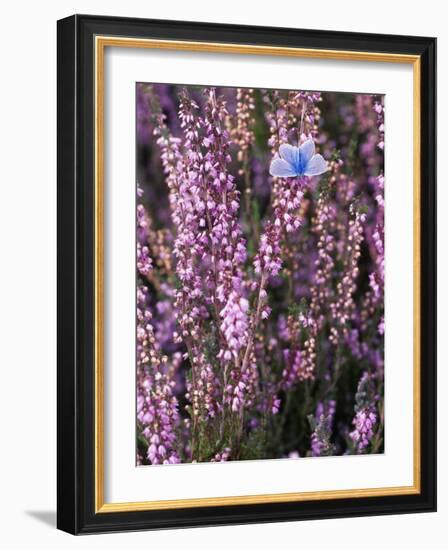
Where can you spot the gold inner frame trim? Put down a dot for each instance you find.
(101, 42)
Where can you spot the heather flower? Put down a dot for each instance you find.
(260, 285)
(300, 358)
(276, 114)
(379, 109)
(344, 305)
(292, 371)
(157, 406)
(144, 261)
(223, 456)
(364, 422)
(243, 133)
(286, 219)
(365, 419)
(322, 290)
(321, 425)
(234, 324)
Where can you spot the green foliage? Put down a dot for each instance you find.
(254, 446)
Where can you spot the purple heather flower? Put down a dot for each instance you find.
(298, 161)
(364, 422)
(320, 438)
(321, 424)
(249, 280)
(234, 324)
(292, 371)
(157, 406)
(223, 456)
(366, 418)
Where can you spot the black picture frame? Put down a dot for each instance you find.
(76, 301)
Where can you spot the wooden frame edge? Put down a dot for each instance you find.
(100, 42)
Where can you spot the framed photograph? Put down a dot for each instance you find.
(246, 274)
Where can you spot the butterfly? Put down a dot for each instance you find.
(298, 161)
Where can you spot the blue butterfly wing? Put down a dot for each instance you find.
(282, 169)
(306, 151)
(316, 166)
(289, 153)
